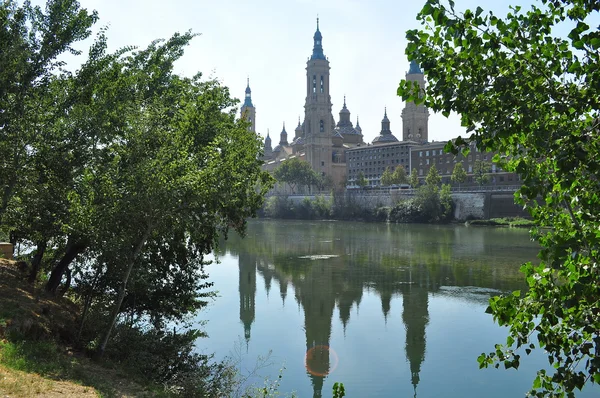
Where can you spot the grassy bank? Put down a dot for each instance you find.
(515, 222)
(35, 360)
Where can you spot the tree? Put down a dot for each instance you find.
(31, 40)
(534, 98)
(323, 182)
(361, 181)
(387, 177)
(459, 175)
(295, 172)
(414, 178)
(399, 176)
(433, 178)
(481, 171)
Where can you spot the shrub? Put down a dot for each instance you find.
(407, 211)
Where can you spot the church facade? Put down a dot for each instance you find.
(322, 142)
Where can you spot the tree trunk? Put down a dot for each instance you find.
(73, 249)
(67, 283)
(88, 303)
(37, 260)
(122, 290)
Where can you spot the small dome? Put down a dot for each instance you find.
(414, 68)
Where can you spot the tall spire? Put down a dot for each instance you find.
(318, 46)
(283, 137)
(248, 99)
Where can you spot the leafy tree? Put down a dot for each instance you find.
(481, 171)
(295, 172)
(323, 182)
(31, 40)
(414, 178)
(361, 181)
(387, 178)
(534, 98)
(433, 178)
(399, 176)
(459, 175)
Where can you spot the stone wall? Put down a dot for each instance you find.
(469, 205)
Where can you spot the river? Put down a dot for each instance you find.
(389, 310)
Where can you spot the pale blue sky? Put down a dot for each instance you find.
(270, 41)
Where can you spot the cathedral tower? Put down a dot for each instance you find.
(415, 117)
(318, 120)
(248, 110)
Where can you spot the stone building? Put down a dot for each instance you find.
(317, 139)
(386, 150)
(432, 153)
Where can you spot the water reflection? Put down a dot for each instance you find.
(330, 265)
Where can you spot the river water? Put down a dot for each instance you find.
(389, 310)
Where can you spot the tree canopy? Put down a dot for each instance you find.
(459, 175)
(296, 172)
(122, 174)
(533, 96)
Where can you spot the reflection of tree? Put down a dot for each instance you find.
(392, 260)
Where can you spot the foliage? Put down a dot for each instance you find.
(430, 204)
(505, 221)
(459, 175)
(323, 182)
(278, 207)
(318, 208)
(414, 178)
(167, 357)
(399, 176)
(122, 174)
(296, 172)
(533, 98)
(406, 211)
(481, 172)
(433, 178)
(338, 390)
(361, 181)
(387, 178)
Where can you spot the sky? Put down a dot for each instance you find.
(269, 42)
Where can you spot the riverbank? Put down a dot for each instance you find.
(512, 222)
(36, 359)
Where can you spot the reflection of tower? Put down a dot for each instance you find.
(247, 264)
(318, 300)
(415, 316)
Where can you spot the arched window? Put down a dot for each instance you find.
(322, 85)
(321, 126)
(314, 83)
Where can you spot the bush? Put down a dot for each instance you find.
(278, 207)
(382, 214)
(168, 358)
(407, 211)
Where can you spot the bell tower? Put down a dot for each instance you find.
(318, 119)
(248, 110)
(415, 117)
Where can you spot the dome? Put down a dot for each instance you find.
(385, 138)
(414, 68)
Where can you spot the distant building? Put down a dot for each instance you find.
(426, 155)
(338, 150)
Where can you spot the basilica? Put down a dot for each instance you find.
(322, 142)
